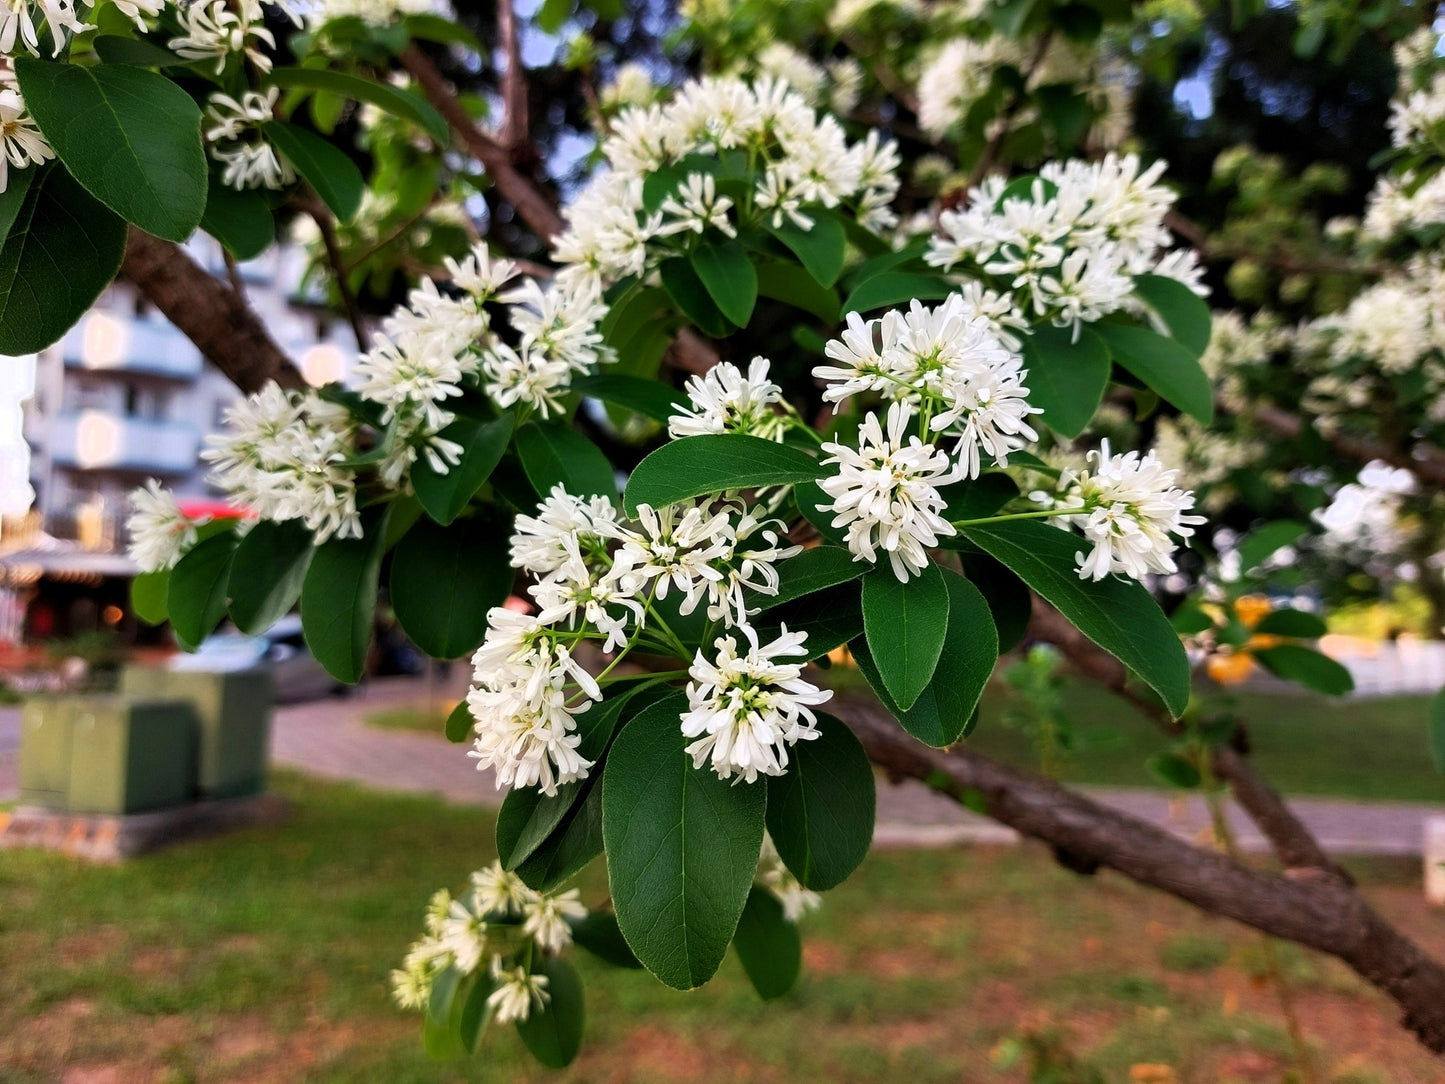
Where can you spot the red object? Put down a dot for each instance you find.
(215, 509)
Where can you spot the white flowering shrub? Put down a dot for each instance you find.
(646, 571)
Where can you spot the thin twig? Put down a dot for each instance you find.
(325, 224)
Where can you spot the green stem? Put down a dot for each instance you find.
(1045, 514)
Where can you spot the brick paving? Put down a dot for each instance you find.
(327, 738)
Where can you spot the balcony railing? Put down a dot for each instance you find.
(110, 341)
(98, 440)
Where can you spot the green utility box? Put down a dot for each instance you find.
(130, 754)
(45, 731)
(234, 710)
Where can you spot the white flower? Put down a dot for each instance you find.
(138, 11)
(234, 134)
(544, 543)
(212, 29)
(886, 493)
(958, 76)
(497, 890)
(676, 547)
(788, 890)
(21, 144)
(725, 401)
(478, 273)
(572, 593)
(1127, 507)
(527, 376)
(412, 375)
(517, 994)
(696, 206)
(159, 531)
(747, 567)
(546, 919)
(18, 22)
(463, 933)
(745, 710)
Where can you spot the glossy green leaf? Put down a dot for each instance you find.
(1182, 311)
(820, 250)
(62, 249)
(906, 623)
(780, 280)
(241, 221)
(325, 166)
(1117, 614)
(1009, 601)
(709, 464)
(12, 200)
(267, 573)
(1163, 365)
(554, 454)
(600, 935)
(649, 397)
(1307, 667)
(130, 136)
(724, 268)
(576, 841)
(338, 601)
(554, 1035)
(821, 810)
(768, 945)
(811, 571)
(135, 52)
(1297, 623)
(444, 580)
(1066, 379)
(483, 444)
(148, 595)
(439, 1035)
(682, 847)
(1265, 541)
(942, 713)
(392, 99)
(893, 289)
(830, 618)
(196, 594)
(692, 298)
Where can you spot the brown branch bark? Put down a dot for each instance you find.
(1292, 842)
(1323, 913)
(518, 190)
(515, 125)
(211, 314)
(326, 226)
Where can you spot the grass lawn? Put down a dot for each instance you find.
(263, 957)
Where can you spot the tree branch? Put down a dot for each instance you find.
(212, 315)
(326, 226)
(1427, 463)
(1324, 913)
(515, 127)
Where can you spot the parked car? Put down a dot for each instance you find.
(282, 648)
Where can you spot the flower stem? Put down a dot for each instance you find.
(1045, 514)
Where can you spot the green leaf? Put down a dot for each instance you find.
(239, 220)
(483, 445)
(682, 848)
(148, 595)
(136, 52)
(554, 1035)
(1066, 379)
(1436, 733)
(196, 595)
(811, 571)
(779, 279)
(471, 1019)
(600, 935)
(830, 618)
(1265, 541)
(338, 601)
(1009, 600)
(709, 464)
(894, 288)
(459, 725)
(1163, 365)
(130, 136)
(576, 841)
(392, 99)
(62, 249)
(528, 817)
(768, 945)
(555, 454)
(1297, 623)
(692, 297)
(1117, 614)
(1182, 311)
(440, 1039)
(820, 812)
(981, 497)
(267, 573)
(12, 200)
(325, 166)
(1066, 111)
(906, 623)
(444, 580)
(1174, 770)
(1009, 16)
(815, 506)
(1307, 667)
(648, 397)
(724, 268)
(429, 27)
(821, 249)
(942, 712)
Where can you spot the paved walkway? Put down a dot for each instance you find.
(326, 738)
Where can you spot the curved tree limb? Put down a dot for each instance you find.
(1425, 462)
(1324, 914)
(211, 314)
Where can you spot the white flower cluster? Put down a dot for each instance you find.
(793, 160)
(219, 29)
(723, 400)
(959, 74)
(1069, 247)
(1128, 506)
(1414, 198)
(160, 533)
(233, 131)
(773, 875)
(496, 924)
(371, 12)
(284, 456)
(598, 579)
